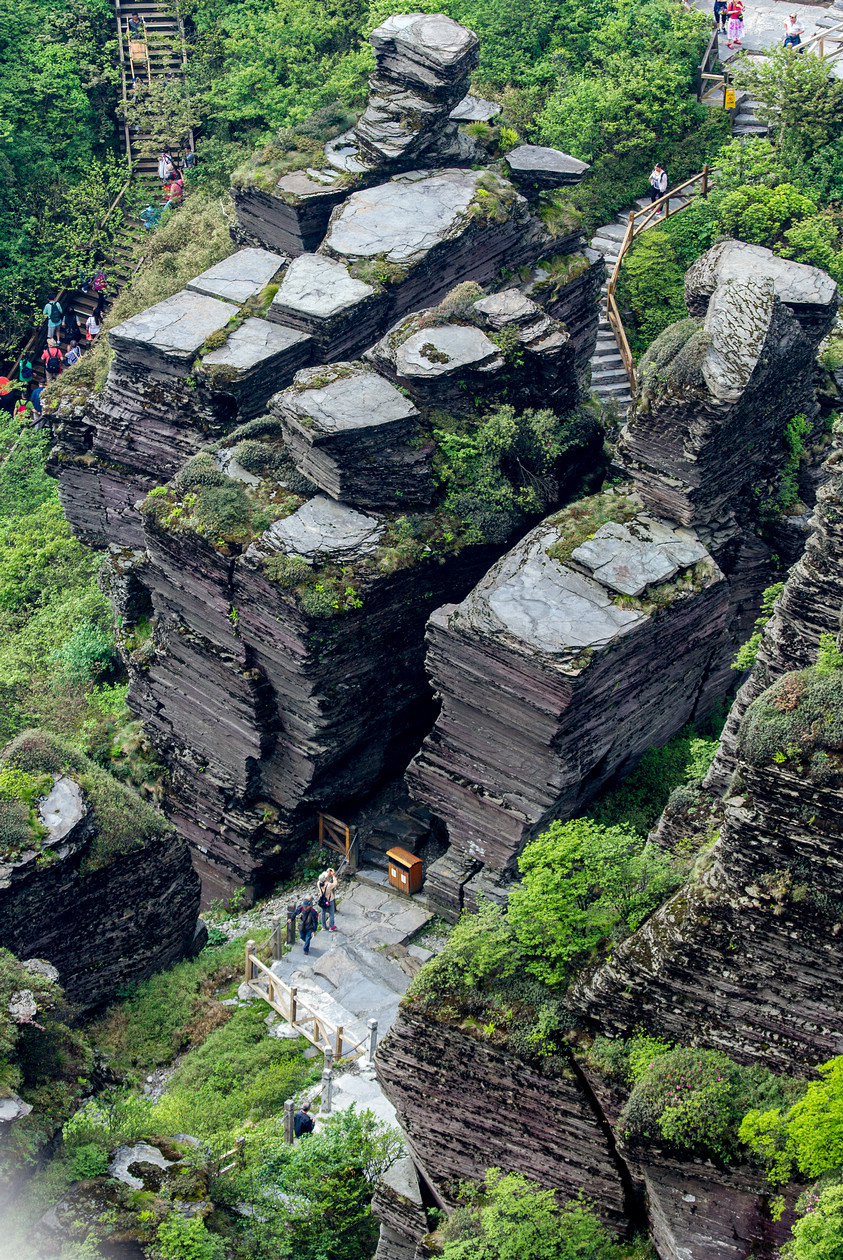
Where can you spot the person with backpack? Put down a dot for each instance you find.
(73, 355)
(92, 327)
(308, 922)
(327, 884)
(25, 372)
(71, 325)
(99, 309)
(52, 359)
(54, 315)
(303, 1121)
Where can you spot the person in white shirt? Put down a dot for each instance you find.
(658, 183)
(793, 31)
(92, 326)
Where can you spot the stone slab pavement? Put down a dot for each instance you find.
(763, 22)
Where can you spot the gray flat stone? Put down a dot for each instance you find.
(795, 283)
(416, 951)
(40, 967)
(543, 603)
(240, 276)
(403, 1179)
(361, 895)
(362, 996)
(474, 109)
(62, 808)
(137, 1153)
(403, 219)
(335, 968)
(255, 341)
(547, 168)
(172, 331)
(436, 352)
(357, 399)
(13, 1108)
(318, 286)
(509, 307)
(324, 527)
(22, 1005)
(622, 561)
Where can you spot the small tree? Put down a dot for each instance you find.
(802, 100)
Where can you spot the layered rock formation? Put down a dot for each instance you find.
(616, 642)
(89, 851)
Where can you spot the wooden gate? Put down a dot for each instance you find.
(336, 836)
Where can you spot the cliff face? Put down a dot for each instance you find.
(106, 909)
(494, 1110)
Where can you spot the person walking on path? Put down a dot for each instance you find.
(71, 325)
(793, 31)
(92, 327)
(735, 15)
(36, 404)
(720, 15)
(52, 359)
(303, 1121)
(327, 884)
(25, 372)
(308, 922)
(658, 183)
(73, 355)
(54, 316)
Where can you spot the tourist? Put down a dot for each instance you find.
(309, 922)
(20, 411)
(135, 26)
(54, 315)
(99, 309)
(74, 354)
(71, 325)
(735, 15)
(793, 31)
(658, 183)
(176, 188)
(36, 404)
(327, 897)
(189, 160)
(302, 1121)
(52, 358)
(720, 15)
(25, 372)
(166, 168)
(92, 327)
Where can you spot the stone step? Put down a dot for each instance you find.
(614, 231)
(610, 377)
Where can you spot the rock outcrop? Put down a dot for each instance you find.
(89, 851)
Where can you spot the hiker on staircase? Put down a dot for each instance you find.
(658, 183)
(52, 359)
(327, 884)
(54, 315)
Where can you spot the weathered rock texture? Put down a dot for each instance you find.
(808, 607)
(495, 1110)
(551, 683)
(102, 922)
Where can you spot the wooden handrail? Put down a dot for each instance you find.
(702, 72)
(639, 221)
(820, 39)
(324, 1032)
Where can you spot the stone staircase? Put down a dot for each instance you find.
(609, 380)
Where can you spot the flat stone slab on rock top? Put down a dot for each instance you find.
(240, 276)
(322, 527)
(545, 167)
(628, 560)
(511, 306)
(425, 48)
(355, 399)
(543, 603)
(403, 219)
(62, 808)
(256, 342)
(474, 109)
(169, 335)
(795, 283)
(318, 287)
(434, 352)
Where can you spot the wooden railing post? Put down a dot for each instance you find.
(250, 949)
(339, 1042)
(293, 1007)
(291, 925)
(704, 188)
(277, 951)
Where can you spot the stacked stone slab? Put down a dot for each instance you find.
(149, 419)
(530, 665)
(424, 62)
(351, 433)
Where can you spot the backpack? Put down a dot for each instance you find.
(309, 920)
(99, 282)
(52, 365)
(54, 313)
(25, 370)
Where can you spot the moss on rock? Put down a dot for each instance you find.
(799, 720)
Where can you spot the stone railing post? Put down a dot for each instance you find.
(250, 950)
(291, 925)
(373, 1040)
(327, 1090)
(289, 1121)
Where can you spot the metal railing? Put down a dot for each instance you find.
(639, 221)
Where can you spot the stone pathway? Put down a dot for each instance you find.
(358, 973)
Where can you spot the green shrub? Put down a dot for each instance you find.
(807, 1136)
(187, 1238)
(651, 286)
(507, 1217)
(748, 651)
(818, 1235)
(85, 655)
(798, 717)
(695, 1101)
(287, 571)
(89, 1161)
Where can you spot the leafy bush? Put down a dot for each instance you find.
(89, 1160)
(582, 882)
(797, 719)
(818, 1235)
(87, 653)
(651, 286)
(695, 1101)
(187, 1238)
(802, 100)
(507, 1217)
(807, 1136)
(748, 651)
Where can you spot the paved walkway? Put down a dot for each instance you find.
(763, 22)
(358, 973)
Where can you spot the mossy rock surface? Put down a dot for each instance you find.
(673, 363)
(799, 720)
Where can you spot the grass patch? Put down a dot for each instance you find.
(170, 1011)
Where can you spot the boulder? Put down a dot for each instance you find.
(536, 168)
(256, 355)
(166, 337)
(320, 296)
